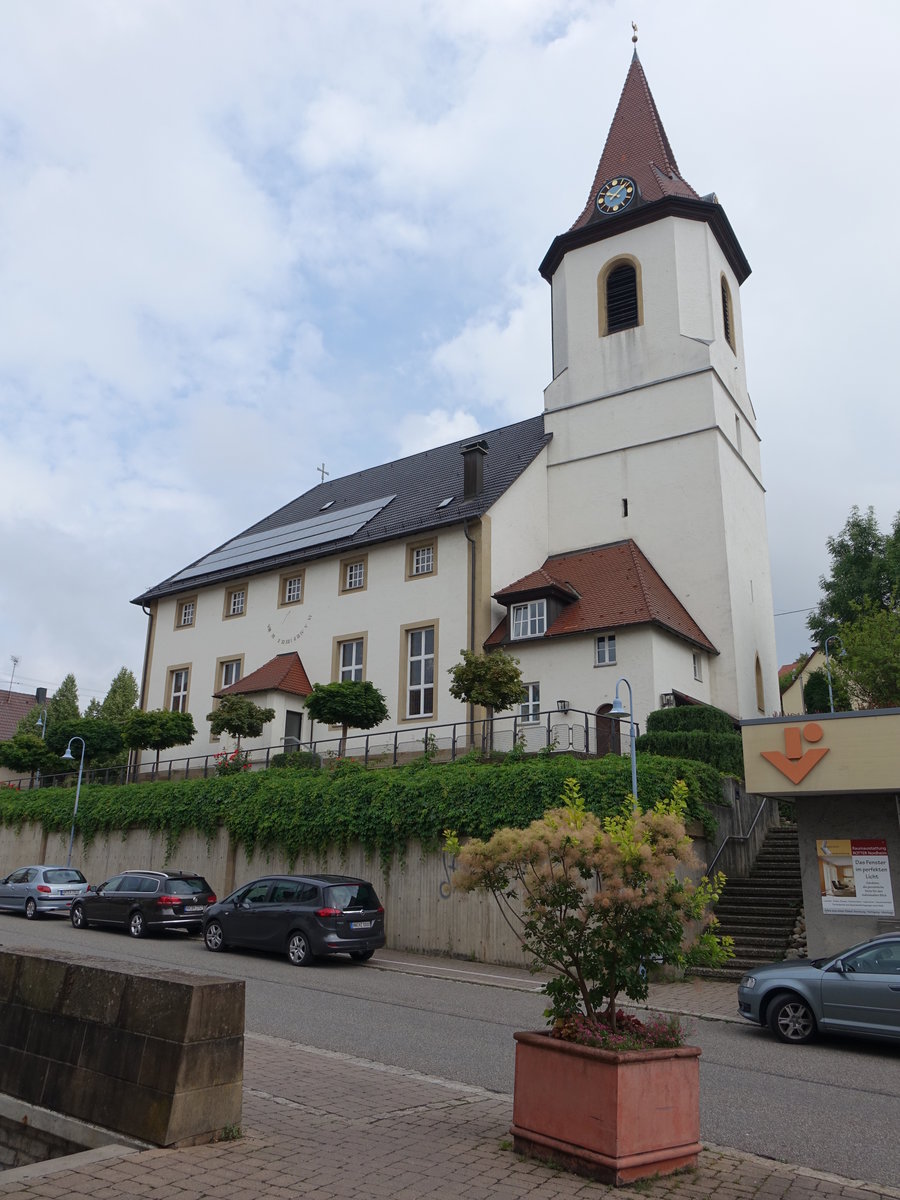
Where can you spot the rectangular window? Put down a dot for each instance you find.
(423, 560)
(420, 672)
(529, 620)
(235, 601)
(530, 708)
(291, 589)
(354, 572)
(351, 664)
(178, 689)
(698, 667)
(185, 612)
(606, 649)
(231, 672)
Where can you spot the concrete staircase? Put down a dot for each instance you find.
(760, 912)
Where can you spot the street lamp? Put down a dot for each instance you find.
(619, 711)
(68, 754)
(830, 638)
(42, 723)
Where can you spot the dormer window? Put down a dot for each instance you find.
(529, 620)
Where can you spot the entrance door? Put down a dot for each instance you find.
(608, 740)
(293, 722)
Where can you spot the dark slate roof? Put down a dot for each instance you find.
(608, 587)
(283, 673)
(416, 486)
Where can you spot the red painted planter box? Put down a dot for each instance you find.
(615, 1117)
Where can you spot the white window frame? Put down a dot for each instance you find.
(530, 706)
(293, 589)
(187, 608)
(698, 666)
(235, 601)
(528, 619)
(423, 560)
(420, 663)
(354, 576)
(235, 671)
(179, 686)
(605, 650)
(351, 670)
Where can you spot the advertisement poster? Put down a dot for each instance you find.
(855, 876)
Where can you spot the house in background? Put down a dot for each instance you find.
(620, 533)
(14, 706)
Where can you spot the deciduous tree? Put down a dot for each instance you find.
(356, 703)
(239, 716)
(159, 729)
(865, 567)
(869, 663)
(492, 680)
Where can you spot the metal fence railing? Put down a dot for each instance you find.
(573, 731)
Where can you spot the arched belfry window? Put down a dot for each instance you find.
(727, 314)
(619, 296)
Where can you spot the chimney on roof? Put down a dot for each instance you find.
(40, 696)
(473, 468)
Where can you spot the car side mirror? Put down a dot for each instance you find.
(838, 965)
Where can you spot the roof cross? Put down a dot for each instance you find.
(323, 471)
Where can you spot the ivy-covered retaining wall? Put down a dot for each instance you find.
(387, 826)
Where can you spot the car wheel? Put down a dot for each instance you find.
(791, 1019)
(214, 937)
(137, 926)
(30, 908)
(361, 955)
(298, 949)
(77, 917)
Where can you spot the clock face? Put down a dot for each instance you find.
(615, 195)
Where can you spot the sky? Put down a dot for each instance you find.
(243, 238)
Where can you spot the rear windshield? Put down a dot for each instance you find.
(351, 895)
(64, 875)
(187, 887)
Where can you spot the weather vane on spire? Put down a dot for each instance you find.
(634, 35)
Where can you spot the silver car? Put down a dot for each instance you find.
(856, 991)
(41, 889)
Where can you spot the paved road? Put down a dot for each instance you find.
(831, 1106)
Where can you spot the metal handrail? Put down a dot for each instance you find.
(738, 837)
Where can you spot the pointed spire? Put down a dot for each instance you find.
(637, 146)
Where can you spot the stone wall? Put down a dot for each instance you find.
(152, 1054)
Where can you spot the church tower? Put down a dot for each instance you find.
(654, 434)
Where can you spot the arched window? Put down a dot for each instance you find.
(727, 316)
(760, 697)
(619, 296)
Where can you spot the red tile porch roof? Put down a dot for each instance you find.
(283, 673)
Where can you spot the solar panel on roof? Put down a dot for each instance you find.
(298, 535)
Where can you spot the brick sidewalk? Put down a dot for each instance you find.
(325, 1126)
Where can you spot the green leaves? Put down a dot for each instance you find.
(492, 680)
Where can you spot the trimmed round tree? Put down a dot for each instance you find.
(158, 729)
(239, 716)
(355, 703)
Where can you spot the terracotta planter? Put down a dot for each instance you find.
(615, 1117)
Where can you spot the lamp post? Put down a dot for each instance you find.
(618, 710)
(830, 638)
(68, 754)
(42, 723)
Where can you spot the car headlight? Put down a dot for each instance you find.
(749, 982)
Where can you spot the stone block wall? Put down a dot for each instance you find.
(156, 1055)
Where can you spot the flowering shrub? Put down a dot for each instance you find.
(233, 763)
(594, 899)
(630, 1033)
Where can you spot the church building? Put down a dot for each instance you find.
(620, 534)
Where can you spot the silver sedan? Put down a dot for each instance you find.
(41, 889)
(856, 991)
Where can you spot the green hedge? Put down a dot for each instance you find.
(295, 811)
(690, 716)
(724, 751)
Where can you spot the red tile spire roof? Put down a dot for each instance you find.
(637, 146)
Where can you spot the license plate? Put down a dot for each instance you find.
(193, 908)
(69, 892)
(361, 924)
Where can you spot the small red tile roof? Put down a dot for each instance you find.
(13, 707)
(283, 673)
(637, 146)
(607, 587)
